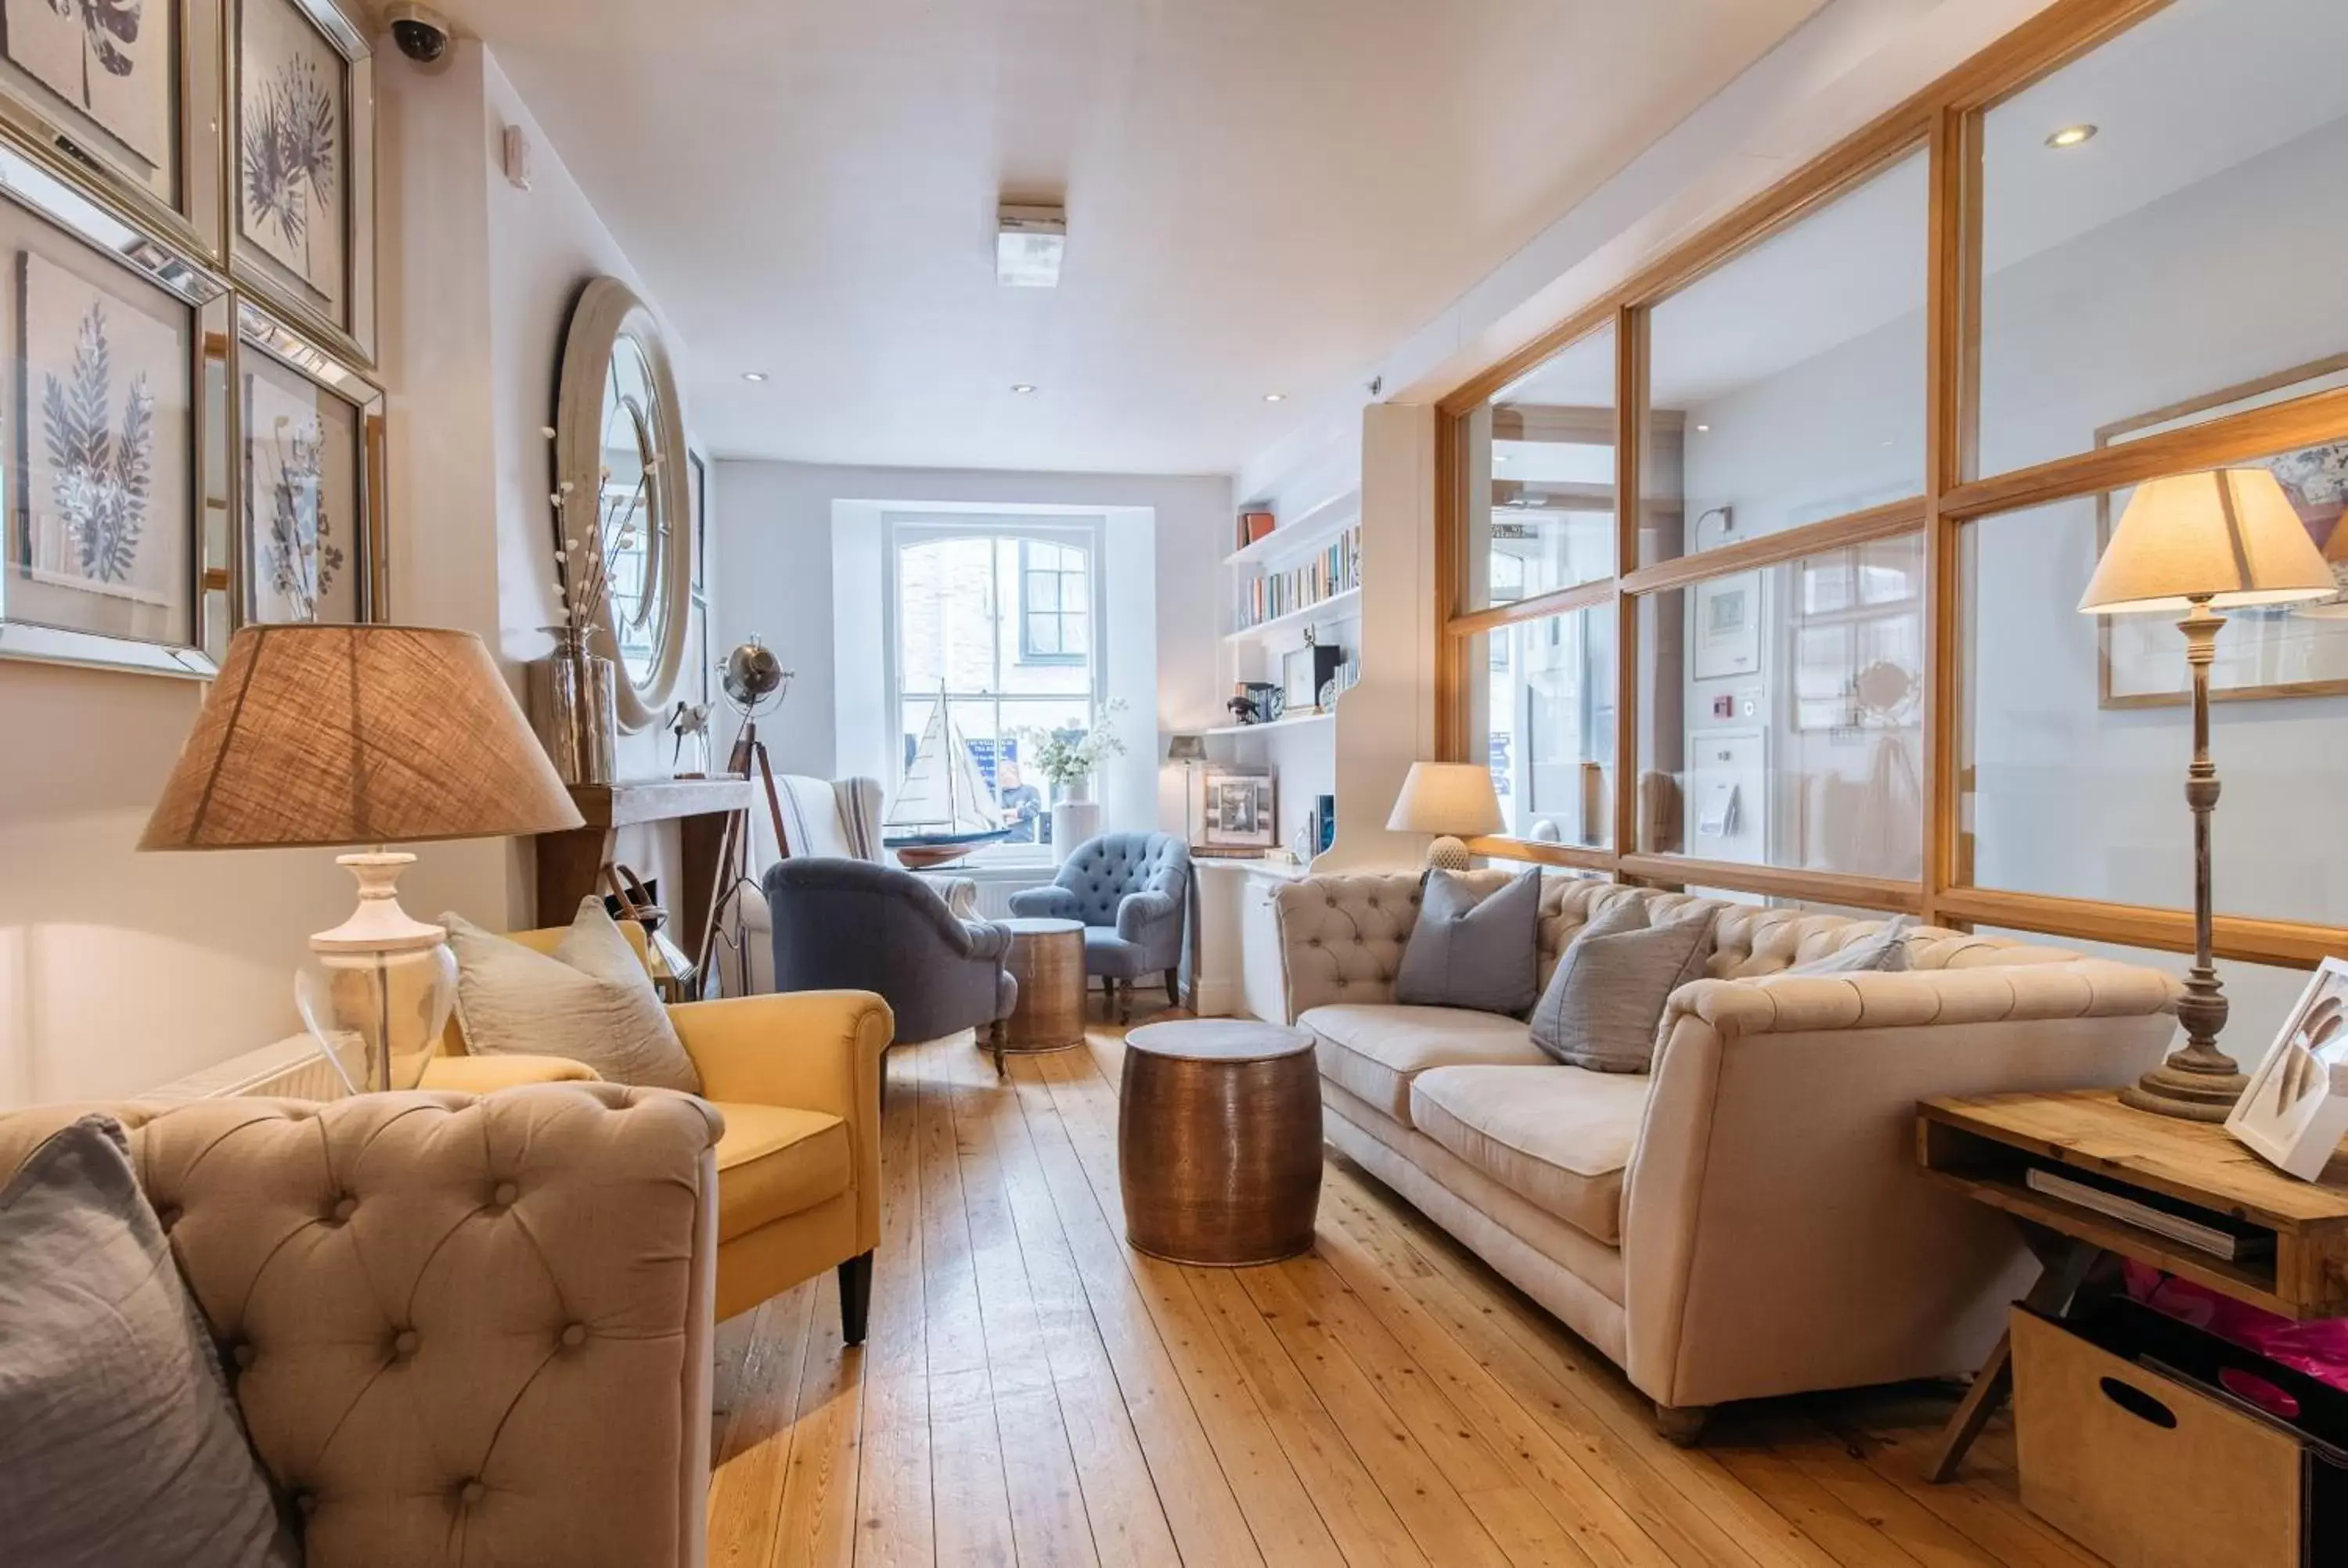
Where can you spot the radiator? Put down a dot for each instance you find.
(292, 1069)
(994, 893)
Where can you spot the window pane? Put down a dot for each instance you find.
(1788, 386)
(2079, 732)
(1548, 709)
(1540, 479)
(1781, 714)
(945, 615)
(2185, 257)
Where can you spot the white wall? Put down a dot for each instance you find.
(801, 545)
(120, 971)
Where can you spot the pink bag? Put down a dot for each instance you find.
(2319, 1348)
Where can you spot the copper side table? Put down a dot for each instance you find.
(1047, 959)
(1218, 1140)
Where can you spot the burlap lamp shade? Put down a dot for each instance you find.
(329, 736)
(357, 735)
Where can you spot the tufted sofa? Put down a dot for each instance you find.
(1748, 1219)
(461, 1330)
(1130, 890)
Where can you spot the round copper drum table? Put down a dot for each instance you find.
(1047, 959)
(1218, 1140)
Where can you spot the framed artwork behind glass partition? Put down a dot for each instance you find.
(124, 96)
(309, 509)
(107, 410)
(2269, 650)
(302, 214)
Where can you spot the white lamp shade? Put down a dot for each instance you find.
(2229, 534)
(1450, 798)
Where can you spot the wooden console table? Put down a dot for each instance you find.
(1986, 1148)
(571, 864)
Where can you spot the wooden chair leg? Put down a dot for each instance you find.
(1124, 1001)
(998, 1034)
(855, 1297)
(1173, 988)
(1682, 1426)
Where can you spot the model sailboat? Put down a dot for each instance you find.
(945, 808)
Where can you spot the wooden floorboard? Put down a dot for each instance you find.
(1033, 1392)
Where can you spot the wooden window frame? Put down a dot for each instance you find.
(1944, 121)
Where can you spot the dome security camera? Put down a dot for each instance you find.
(421, 32)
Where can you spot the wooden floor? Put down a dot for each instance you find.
(1034, 1392)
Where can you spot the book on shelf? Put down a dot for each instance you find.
(2234, 1245)
(1255, 526)
(1335, 570)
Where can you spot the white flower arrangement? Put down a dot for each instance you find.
(583, 562)
(1065, 756)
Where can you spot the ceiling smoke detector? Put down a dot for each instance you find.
(1028, 244)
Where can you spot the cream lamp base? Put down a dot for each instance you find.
(378, 924)
(1448, 853)
(364, 951)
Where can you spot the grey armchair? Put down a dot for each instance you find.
(1130, 889)
(849, 925)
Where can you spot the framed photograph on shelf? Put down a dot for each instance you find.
(107, 409)
(301, 224)
(2263, 650)
(1239, 811)
(128, 93)
(309, 509)
(2295, 1110)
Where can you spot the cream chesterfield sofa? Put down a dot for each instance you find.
(1748, 1220)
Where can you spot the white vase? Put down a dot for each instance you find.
(1073, 822)
(1076, 789)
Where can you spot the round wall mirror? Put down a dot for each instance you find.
(619, 444)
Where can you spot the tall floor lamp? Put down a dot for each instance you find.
(2202, 543)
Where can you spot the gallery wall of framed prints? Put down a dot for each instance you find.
(191, 434)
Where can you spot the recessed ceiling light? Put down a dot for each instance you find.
(2072, 136)
(754, 376)
(1275, 397)
(1499, 456)
(1023, 387)
(1702, 429)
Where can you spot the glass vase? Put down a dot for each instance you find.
(574, 707)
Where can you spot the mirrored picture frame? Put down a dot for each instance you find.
(300, 198)
(306, 514)
(110, 408)
(124, 96)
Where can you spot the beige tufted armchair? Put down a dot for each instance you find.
(462, 1331)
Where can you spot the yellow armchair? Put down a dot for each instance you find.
(797, 1079)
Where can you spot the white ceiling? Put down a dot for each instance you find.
(1263, 195)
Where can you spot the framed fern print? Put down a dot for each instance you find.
(301, 206)
(308, 514)
(124, 95)
(107, 411)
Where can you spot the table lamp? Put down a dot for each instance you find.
(1451, 800)
(328, 736)
(2201, 543)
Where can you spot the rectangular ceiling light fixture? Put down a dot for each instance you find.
(1028, 244)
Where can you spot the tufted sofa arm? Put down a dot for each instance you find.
(1341, 937)
(461, 1330)
(1147, 917)
(1051, 902)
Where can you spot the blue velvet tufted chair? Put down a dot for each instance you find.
(1129, 889)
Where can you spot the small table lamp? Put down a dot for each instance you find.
(2201, 543)
(1451, 800)
(324, 735)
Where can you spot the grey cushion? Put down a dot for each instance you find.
(1481, 952)
(1883, 950)
(1607, 996)
(589, 1001)
(119, 1442)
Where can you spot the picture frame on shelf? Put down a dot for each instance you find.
(2265, 651)
(2295, 1110)
(114, 423)
(124, 96)
(1304, 673)
(310, 514)
(1240, 809)
(301, 203)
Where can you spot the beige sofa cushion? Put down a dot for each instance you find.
(1373, 1053)
(1558, 1137)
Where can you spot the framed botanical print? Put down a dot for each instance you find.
(301, 224)
(2263, 650)
(309, 508)
(107, 412)
(124, 95)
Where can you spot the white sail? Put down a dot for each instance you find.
(942, 791)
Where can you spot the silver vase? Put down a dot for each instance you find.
(574, 708)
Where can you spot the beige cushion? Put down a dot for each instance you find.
(590, 1000)
(1558, 1137)
(1373, 1053)
(774, 1162)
